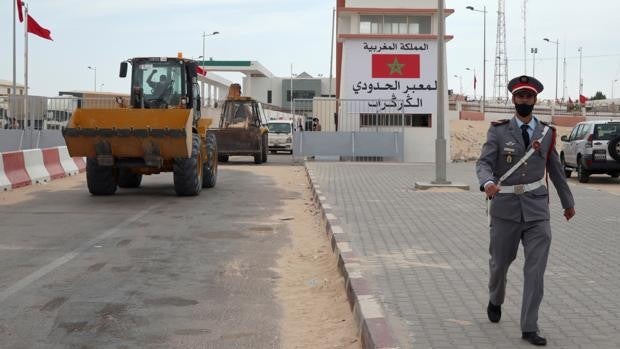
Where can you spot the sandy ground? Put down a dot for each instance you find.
(311, 289)
(467, 138)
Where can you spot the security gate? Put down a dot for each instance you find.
(359, 130)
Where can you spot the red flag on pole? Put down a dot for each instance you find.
(201, 71)
(36, 29)
(395, 66)
(20, 13)
(582, 99)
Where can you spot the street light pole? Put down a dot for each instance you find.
(291, 93)
(557, 47)
(460, 83)
(580, 79)
(204, 35)
(484, 54)
(613, 82)
(95, 70)
(534, 51)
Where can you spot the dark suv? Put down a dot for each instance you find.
(592, 147)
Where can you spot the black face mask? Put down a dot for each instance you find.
(524, 109)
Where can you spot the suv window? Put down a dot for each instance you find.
(607, 132)
(584, 130)
(573, 135)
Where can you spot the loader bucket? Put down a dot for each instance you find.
(130, 133)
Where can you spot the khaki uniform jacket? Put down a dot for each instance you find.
(503, 148)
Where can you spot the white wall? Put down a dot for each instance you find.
(258, 86)
(392, 3)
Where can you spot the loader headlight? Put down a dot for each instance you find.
(184, 100)
(289, 139)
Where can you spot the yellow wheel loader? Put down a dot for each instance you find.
(161, 130)
(242, 128)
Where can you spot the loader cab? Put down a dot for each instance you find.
(242, 112)
(162, 83)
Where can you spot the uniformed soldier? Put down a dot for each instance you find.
(511, 172)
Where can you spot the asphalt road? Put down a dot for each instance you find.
(143, 268)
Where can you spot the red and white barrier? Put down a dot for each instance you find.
(68, 163)
(21, 168)
(33, 159)
(5, 183)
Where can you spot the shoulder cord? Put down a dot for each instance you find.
(524, 158)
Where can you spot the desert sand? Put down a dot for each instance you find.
(467, 138)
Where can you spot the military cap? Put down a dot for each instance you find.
(525, 82)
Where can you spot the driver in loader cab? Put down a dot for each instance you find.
(160, 88)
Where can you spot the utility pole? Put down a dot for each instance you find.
(440, 141)
(557, 48)
(331, 57)
(564, 75)
(580, 80)
(291, 95)
(204, 35)
(484, 54)
(534, 51)
(524, 38)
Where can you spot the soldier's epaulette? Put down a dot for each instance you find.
(500, 122)
(547, 124)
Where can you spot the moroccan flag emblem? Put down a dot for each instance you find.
(395, 66)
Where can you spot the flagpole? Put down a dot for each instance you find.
(25, 64)
(12, 98)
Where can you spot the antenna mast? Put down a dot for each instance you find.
(500, 83)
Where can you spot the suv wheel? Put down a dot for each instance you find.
(614, 148)
(582, 175)
(567, 170)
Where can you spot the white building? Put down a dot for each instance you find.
(6, 87)
(387, 50)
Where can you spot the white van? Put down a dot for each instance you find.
(280, 136)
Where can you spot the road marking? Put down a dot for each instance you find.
(25, 282)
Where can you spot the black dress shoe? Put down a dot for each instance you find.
(494, 312)
(534, 338)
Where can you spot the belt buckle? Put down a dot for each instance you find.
(519, 189)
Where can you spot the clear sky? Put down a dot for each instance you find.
(278, 33)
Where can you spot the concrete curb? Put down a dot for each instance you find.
(25, 167)
(374, 329)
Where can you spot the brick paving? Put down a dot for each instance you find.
(424, 256)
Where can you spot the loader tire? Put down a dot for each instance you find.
(258, 156)
(188, 171)
(222, 158)
(128, 179)
(101, 180)
(209, 171)
(265, 147)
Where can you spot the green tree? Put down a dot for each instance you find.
(598, 95)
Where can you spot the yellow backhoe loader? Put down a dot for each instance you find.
(243, 128)
(161, 130)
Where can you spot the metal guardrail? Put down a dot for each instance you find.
(561, 110)
(46, 113)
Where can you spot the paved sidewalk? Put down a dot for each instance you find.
(423, 255)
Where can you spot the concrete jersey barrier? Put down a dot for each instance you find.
(22, 168)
